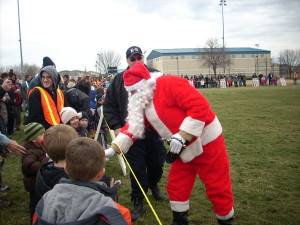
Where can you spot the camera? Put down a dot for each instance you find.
(10, 74)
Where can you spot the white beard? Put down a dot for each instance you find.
(136, 108)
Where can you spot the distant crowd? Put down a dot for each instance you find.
(238, 80)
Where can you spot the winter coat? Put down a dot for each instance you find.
(34, 158)
(77, 202)
(78, 100)
(49, 175)
(18, 97)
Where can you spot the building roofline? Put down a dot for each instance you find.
(155, 53)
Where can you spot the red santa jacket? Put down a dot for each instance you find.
(178, 106)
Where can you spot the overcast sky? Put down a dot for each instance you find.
(72, 32)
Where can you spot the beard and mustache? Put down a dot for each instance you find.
(136, 110)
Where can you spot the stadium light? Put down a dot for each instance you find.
(223, 3)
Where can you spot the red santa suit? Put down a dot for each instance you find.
(179, 107)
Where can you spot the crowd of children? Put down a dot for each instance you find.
(70, 169)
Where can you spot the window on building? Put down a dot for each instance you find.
(172, 57)
(252, 56)
(262, 55)
(233, 56)
(243, 56)
(193, 57)
(182, 57)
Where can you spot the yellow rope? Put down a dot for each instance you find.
(147, 199)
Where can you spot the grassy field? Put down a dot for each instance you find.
(261, 127)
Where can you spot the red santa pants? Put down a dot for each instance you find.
(212, 166)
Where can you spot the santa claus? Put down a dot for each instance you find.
(179, 113)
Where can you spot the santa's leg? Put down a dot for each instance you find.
(180, 185)
(213, 170)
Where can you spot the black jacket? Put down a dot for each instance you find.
(78, 100)
(48, 176)
(2, 92)
(116, 101)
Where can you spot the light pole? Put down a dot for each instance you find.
(223, 3)
(22, 75)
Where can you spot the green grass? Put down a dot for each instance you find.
(261, 127)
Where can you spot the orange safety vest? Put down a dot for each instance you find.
(295, 76)
(50, 110)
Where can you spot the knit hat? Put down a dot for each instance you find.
(84, 115)
(67, 113)
(47, 62)
(137, 76)
(32, 130)
(133, 50)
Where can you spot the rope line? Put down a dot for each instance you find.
(145, 195)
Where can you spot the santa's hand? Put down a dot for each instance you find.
(176, 143)
(109, 153)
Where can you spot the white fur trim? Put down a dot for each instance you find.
(151, 82)
(192, 126)
(156, 122)
(228, 216)
(123, 141)
(180, 206)
(211, 132)
(136, 86)
(156, 75)
(193, 150)
(207, 134)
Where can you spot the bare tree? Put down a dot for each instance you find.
(107, 59)
(214, 55)
(28, 69)
(289, 61)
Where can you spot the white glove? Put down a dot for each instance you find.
(109, 153)
(176, 143)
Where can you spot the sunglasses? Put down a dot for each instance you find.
(134, 59)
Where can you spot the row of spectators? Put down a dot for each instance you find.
(211, 81)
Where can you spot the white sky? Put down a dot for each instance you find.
(72, 32)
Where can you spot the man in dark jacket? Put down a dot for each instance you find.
(146, 156)
(79, 97)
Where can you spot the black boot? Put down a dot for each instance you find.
(226, 222)
(157, 194)
(180, 218)
(138, 208)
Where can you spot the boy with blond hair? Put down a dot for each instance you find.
(56, 139)
(79, 199)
